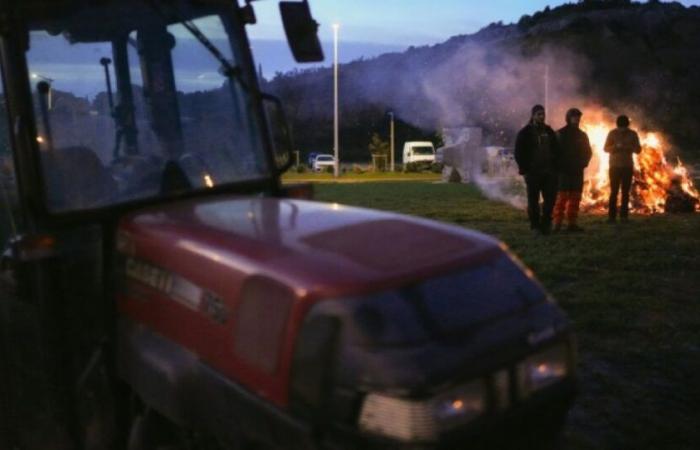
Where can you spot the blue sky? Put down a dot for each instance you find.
(371, 27)
(403, 22)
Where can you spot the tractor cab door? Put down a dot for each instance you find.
(53, 317)
(51, 321)
(10, 227)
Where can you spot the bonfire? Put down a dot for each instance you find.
(654, 175)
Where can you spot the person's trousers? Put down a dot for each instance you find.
(567, 205)
(544, 185)
(620, 180)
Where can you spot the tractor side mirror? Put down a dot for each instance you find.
(302, 31)
(279, 131)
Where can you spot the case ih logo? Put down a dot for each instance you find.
(178, 289)
(149, 275)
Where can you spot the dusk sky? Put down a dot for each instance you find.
(371, 27)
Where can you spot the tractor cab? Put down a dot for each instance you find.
(135, 102)
(108, 107)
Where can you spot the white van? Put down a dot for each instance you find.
(418, 151)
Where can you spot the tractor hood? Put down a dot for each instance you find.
(317, 249)
(200, 272)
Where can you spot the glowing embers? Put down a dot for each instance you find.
(654, 177)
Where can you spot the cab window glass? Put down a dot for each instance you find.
(140, 115)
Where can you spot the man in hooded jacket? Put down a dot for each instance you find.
(536, 153)
(575, 154)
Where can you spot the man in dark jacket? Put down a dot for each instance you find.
(536, 151)
(621, 144)
(575, 154)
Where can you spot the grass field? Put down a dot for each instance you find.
(311, 177)
(632, 292)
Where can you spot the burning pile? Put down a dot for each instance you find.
(655, 179)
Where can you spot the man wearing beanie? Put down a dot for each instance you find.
(536, 152)
(621, 143)
(575, 154)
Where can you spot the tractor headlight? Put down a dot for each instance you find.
(422, 420)
(543, 369)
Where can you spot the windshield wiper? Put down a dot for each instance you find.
(227, 69)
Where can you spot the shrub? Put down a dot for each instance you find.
(301, 168)
(411, 167)
(436, 167)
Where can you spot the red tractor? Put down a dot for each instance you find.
(162, 289)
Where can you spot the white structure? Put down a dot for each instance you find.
(462, 154)
(500, 162)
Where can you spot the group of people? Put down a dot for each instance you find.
(553, 165)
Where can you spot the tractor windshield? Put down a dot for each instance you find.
(139, 106)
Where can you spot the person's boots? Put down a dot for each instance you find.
(572, 214)
(546, 227)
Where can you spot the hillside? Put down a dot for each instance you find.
(614, 56)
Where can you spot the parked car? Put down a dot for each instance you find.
(322, 162)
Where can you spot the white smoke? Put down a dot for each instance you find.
(491, 86)
(507, 189)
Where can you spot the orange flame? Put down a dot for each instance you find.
(653, 174)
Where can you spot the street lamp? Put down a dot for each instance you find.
(37, 76)
(391, 139)
(546, 88)
(336, 143)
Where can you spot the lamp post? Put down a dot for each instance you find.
(336, 143)
(37, 76)
(546, 88)
(391, 140)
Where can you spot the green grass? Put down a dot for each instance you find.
(632, 292)
(293, 177)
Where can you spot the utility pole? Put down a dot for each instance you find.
(392, 147)
(546, 88)
(336, 143)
